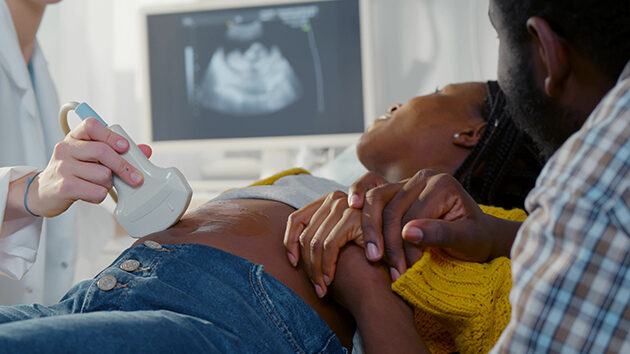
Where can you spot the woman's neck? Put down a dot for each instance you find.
(27, 15)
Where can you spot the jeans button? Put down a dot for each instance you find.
(152, 244)
(130, 265)
(106, 283)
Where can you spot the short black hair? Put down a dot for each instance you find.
(598, 29)
(503, 166)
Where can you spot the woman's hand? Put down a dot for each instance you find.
(359, 189)
(317, 232)
(81, 168)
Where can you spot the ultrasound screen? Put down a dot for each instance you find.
(285, 70)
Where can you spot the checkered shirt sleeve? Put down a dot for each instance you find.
(570, 259)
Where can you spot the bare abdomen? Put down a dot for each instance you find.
(254, 229)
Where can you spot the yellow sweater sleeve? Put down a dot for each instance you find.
(459, 306)
(271, 180)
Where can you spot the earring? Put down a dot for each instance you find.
(456, 136)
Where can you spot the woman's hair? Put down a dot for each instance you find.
(503, 166)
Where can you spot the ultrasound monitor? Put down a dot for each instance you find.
(286, 72)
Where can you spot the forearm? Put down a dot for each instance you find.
(386, 325)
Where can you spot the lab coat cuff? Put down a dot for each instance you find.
(8, 175)
(18, 251)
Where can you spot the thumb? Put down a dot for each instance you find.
(146, 150)
(458, 238)
(357, 191)
(432, 232)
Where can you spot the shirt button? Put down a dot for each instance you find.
(152, 244)
(106, 283)
(129, 265)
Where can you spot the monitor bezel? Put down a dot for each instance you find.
(255, 143)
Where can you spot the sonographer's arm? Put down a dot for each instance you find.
(81, 168)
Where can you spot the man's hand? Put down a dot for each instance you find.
(81, 168)
(317, 232)
(373, 190)
(435, 211)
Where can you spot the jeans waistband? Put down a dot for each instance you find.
(230, 292)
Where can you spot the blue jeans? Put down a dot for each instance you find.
(177, 298)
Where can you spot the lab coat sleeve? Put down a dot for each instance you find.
(19, 239)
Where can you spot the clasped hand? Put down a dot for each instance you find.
(393, 222)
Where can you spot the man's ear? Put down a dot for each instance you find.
(552, 53)
(469, 137)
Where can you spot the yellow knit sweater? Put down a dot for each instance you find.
(460, 306)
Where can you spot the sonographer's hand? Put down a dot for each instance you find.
(317, 232)
(81, 168)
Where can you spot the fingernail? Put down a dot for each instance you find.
(393, 272)
(319, 291)
(135, 178)
(372, 251)
(413, 234)
(292, 259)
(326, 279)
(121, 143)
(354, 201)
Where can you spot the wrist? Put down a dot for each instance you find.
(15, 199)
(32, 183)
(503, 235)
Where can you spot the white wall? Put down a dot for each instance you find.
(423, 44)
(94, 50)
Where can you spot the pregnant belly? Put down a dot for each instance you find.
(254, 229)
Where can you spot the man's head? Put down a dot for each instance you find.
(557, 59)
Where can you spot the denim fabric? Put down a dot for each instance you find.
(182, 298)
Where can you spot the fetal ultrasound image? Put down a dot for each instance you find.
(255, 82)
(260, 71)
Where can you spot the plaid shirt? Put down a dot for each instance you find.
(570, 258)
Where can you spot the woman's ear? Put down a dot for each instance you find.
(468, 138)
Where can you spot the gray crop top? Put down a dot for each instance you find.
(294, 190)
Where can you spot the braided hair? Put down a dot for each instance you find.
(503, 166)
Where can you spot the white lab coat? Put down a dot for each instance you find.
(28, 134)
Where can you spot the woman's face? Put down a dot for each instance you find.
(420, 133)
